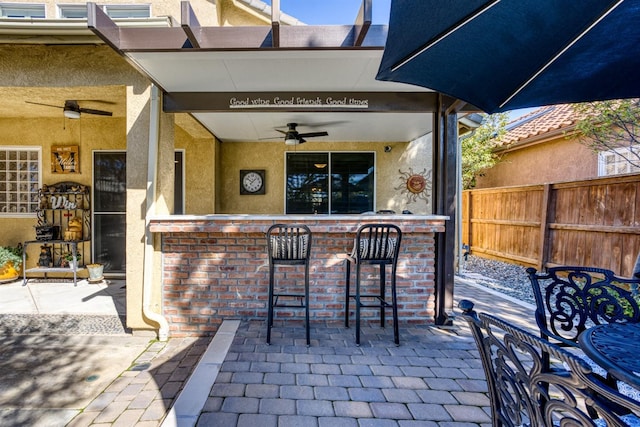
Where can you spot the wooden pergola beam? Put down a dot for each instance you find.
(275, 23)
(363, 22)
(189, 23)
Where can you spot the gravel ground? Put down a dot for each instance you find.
(61, 324)
(503, 277)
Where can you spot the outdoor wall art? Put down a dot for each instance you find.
(65, 159)
(415, 185)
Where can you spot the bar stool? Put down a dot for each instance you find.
(375, 244)
(289, 245)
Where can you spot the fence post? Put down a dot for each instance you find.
(466, 217)
(545, 215)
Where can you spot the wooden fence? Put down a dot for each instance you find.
(588, 223)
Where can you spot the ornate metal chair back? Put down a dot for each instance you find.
(524, 392)
(572, 299)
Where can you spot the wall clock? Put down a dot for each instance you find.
(252, 181)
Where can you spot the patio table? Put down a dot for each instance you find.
(615, 347)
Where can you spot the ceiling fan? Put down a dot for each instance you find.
(72, 109)
(292, 137)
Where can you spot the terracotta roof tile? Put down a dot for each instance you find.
(538, 122)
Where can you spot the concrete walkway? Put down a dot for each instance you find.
(433, 379)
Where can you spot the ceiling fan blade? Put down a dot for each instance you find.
(46, 105)
(281, 131)
(301, 140)
(312, 134)
(96, 112)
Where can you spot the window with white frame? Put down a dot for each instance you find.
(336, 183)
(619, 161)
(20, 178)
(121, 11)
(72, 11)
(22, 10)
(125, 11)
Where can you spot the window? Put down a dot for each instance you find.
(128, 11)
(72, 11)
(619, 161)
(21, 10)
(19, 180)
(337, 183)
(79, 11)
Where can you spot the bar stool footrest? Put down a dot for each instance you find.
(380, 299)
(289, 305)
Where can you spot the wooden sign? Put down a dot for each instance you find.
(65, 159)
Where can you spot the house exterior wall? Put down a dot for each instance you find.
(199, 163)
(212, 168)
(205, 10)
(391, 169)
(556, 160)
(236, 13)
(91, 134)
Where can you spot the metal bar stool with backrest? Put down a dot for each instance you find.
(375, 244)
(289, 245)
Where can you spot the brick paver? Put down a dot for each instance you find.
(433, 379)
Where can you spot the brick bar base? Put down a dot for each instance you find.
(216, 267)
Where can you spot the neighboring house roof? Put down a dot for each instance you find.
(539, 124)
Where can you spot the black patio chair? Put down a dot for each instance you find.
(526, 391)
(288, 245)
(375, 244)
(572, 299)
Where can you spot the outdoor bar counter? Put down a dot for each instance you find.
(216, 267)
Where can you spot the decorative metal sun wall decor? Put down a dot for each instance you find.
(415, 185)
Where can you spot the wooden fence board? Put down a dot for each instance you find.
(591, 222)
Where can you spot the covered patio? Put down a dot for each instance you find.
(244, 84)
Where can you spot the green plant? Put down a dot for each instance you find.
(69, 256)
(11, 253)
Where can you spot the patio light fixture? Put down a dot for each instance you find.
(71, 114)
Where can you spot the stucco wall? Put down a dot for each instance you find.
(554, 161)
(89, 133)
(391, 171)
(199, 158)
(235, 13)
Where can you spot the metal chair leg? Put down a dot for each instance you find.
(347, 298)
(306, 303)
(394, 301)
(270, 306)
(382, 293)
(357, 298)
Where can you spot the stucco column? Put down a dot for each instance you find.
(138, 120)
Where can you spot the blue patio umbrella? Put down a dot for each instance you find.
(502, 55)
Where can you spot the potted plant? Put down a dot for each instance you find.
(70, 261)
(95, 272)
(10, 262)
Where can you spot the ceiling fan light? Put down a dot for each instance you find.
(291, 141)
(71, 114)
